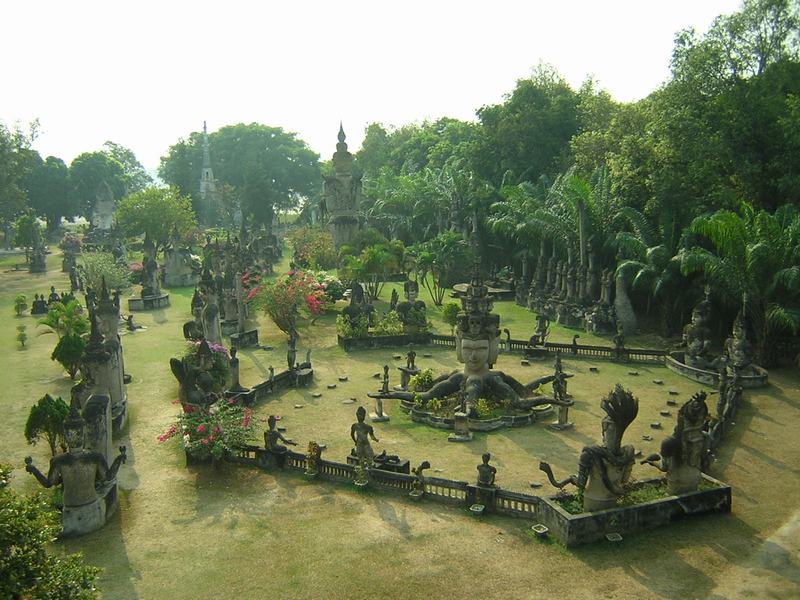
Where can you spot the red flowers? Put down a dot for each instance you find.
(167, 434)
(200, 428)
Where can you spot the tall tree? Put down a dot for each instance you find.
(49, 191)
(754, 262)
(14, 166)
(88, 172)
(271, 169)
(155, 212)
(136, 176)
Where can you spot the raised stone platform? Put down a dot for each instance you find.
(422, 416)
(246, 339)
(148, 303)
(583, 528)
(674, 362)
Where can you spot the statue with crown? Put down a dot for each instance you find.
(477, 348)
(89, 484)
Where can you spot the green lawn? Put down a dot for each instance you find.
(231, 532)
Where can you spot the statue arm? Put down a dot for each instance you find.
(123, 457)
(287, 440)
(53, 475)
(544, 466)
(352, 433)
(371, 433)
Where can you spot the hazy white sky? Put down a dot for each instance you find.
(144, 74)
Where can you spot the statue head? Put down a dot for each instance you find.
(74, 430)
(693, 413)
(271, 421)
(361, 414)
(621, 409)
(411, 290)
(486, 457)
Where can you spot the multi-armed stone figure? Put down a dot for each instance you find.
(89, 484)
(604, 470)
(686, 453)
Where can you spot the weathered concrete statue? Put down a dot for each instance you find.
(273, 437)
(685, 454)
(89, 485)
(697, 336)
(477, 347)
(604, 470)
(360, 433)
(411, 311)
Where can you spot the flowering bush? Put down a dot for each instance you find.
(284, 299)
(212, 431)
(219, 369)
(332, 287)
(312, 248)
(70, 243)
(251, 282)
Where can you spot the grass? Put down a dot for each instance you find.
(234, 532)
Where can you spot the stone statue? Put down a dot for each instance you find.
(606, 283)
(291, 350)
(418, 485)
(686, 453)
(411, 357)
(697, 336)
(738, 348)
(273, 437)
(358, 307)
(342, 195)
(411, 311)
(477, 347)
(234, 363)
(89, 485)
(210, 313)
(394, 299)
(486, 472)
(150, 282)
(604, 470)
(361, 433)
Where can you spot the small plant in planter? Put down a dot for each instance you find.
(361, 479)
(422, 381)
(348, 328)
(389, 325)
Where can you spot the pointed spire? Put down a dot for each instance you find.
(205, 131)
(341, 135)
(105, 304)
(206, 150)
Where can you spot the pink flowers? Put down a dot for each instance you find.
(200, 428)
(246, 417)
(167, 434)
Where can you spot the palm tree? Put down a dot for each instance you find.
(650, 262)
(755, 256)
(64, 319)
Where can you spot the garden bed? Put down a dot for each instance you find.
(583, 528)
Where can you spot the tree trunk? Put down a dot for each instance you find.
(626, 317)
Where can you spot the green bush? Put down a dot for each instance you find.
(96, 265)
(27, 569)
(389, 324)
(483, 408)
(22, 335)
(450, 315)
(20, 304)
(46, 420)
(348, 329)
(422, 381)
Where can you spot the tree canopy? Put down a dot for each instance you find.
(155, 212)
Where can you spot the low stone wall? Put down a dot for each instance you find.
(674, 362)
(573, 530)
(383, 341)
(148, 302)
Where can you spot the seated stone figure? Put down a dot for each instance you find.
(89, 485)
(686, 453)
(273, 437)
(604, 470)
(477, 347)
(411, 311)
(697, 337)
(358, 307)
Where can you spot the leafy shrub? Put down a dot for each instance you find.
(46, 420)
(96, 265)
(212, 431)
(450, 315)
(389, 324)
(22, 335)
(422, 381)
(20, 304)
(348, 329)
(220, 365)
(483, 408)
(312, 248)
(68, 352)
(284, 299)
(70, 243)
(29, 525)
